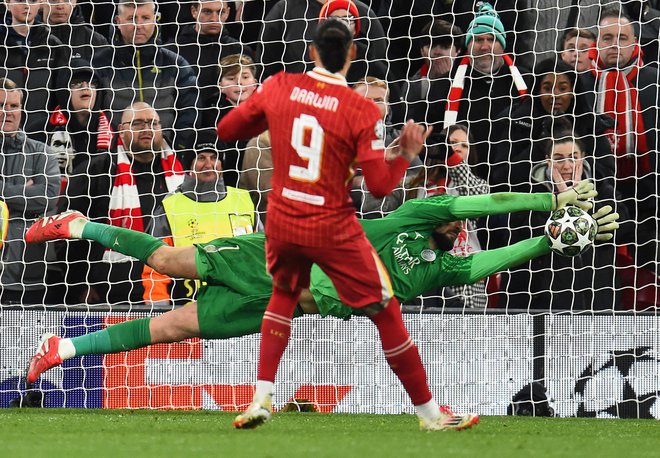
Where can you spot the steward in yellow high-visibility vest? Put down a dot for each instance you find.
(200, 210)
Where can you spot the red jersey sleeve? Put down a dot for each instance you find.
(370, 134)
(247, 120)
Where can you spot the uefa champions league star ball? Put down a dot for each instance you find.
(570, 231)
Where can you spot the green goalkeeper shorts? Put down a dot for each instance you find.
(224, 313)
(236, 288)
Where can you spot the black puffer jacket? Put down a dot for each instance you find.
(553, 282)
(482, 99)
(84, 138)
(155, 75)
(33, 64)
(203, 52)
(79, 37)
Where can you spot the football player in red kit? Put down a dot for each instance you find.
(319, 130)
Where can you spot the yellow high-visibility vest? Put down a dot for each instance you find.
(200, 222)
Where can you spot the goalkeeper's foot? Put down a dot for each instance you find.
(450, 422)
(66, 225)
(47, 356)
(256, 415)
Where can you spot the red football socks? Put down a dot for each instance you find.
(275, 332)
(401, 353)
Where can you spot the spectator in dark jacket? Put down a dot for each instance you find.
(204, 44)
(67, 25)
(555, 93)
(29, 185)
(79, 127)
(626, 89)
(138, 68)
(588, 281)
(30, 57)
(484, 82)
(439, 45)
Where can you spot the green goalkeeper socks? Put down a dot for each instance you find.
(125, 241)
(125, 336)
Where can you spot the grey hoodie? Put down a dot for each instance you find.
(21, 160)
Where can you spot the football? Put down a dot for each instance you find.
(570, 231)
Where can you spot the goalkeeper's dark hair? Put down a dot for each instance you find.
(333, 41)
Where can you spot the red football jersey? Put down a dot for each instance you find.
(319, 130)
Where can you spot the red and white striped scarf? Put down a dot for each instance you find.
(125, 208)
(458, 83)
(104, 131)
(617, 96)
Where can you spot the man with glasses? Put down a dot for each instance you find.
(68, 25)
(123, 189)
(30, 57)
(29, 185)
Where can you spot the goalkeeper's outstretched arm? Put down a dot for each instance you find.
(470, 207)
(487, 263)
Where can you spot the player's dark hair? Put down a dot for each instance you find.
(332, 41)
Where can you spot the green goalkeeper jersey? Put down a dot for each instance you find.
(402, 242)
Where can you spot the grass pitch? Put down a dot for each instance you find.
(121, 433)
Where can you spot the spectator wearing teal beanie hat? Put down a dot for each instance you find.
(486, 21)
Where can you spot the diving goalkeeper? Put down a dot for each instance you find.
(413, 243)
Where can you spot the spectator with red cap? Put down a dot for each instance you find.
(344, 10)
(290, 25)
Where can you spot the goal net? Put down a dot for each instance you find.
(111, 111)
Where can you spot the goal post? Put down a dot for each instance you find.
(586, 328)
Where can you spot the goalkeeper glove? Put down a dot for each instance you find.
(606, 221)
(578, 195)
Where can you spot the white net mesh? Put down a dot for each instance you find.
(106, 109)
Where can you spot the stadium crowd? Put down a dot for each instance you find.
(115, 117)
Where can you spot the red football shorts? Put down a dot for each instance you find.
(354, 268)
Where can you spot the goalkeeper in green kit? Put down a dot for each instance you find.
(412, 242)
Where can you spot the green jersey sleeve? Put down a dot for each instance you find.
(453, 208)
(487, 263)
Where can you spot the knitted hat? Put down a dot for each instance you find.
(486, 21)
(207, 140)
(348, 5)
